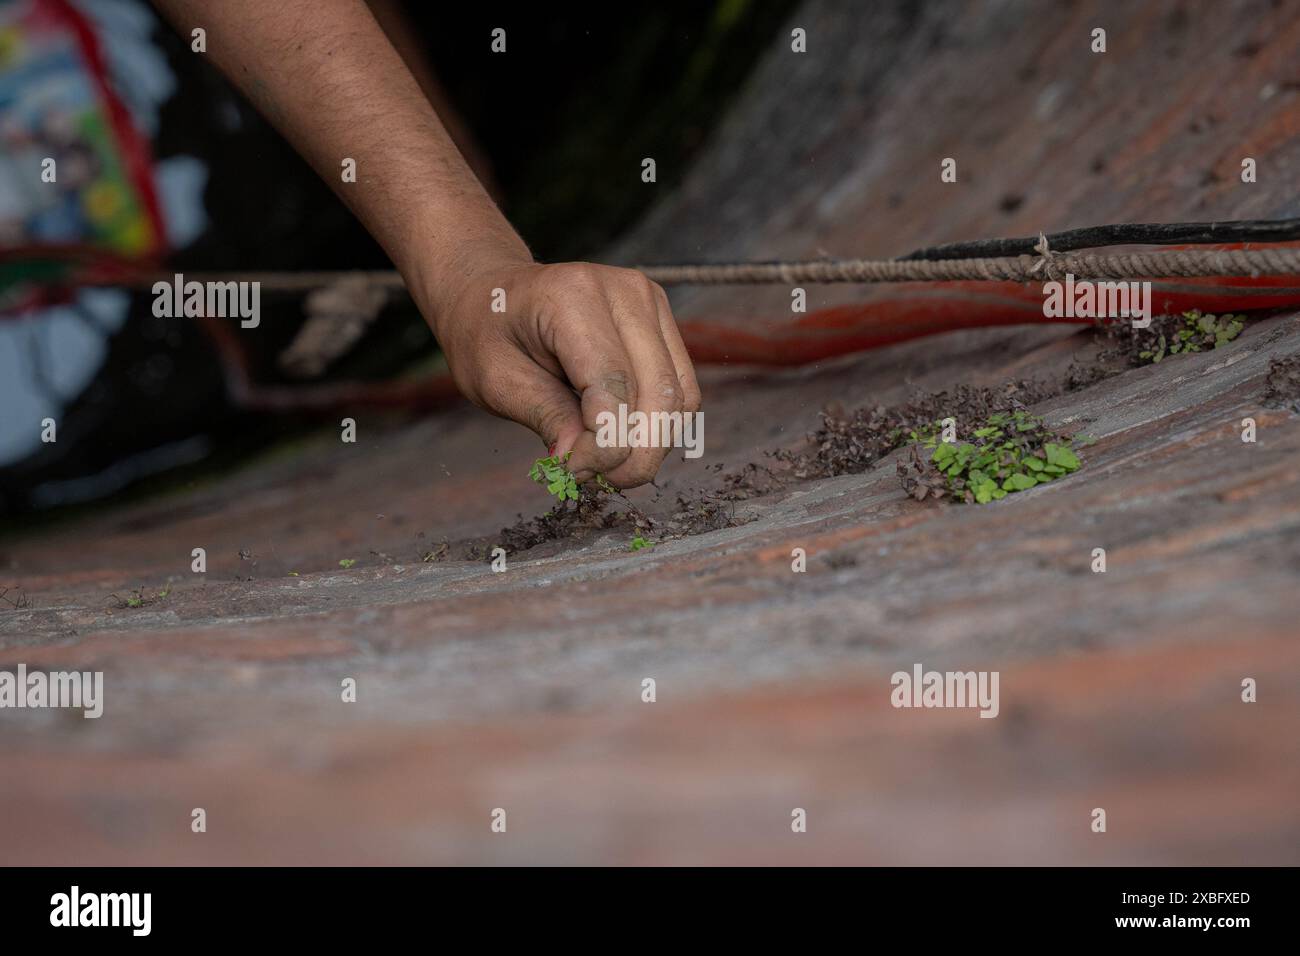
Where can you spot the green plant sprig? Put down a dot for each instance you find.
(555, 475)
(560, 482)
(1196, 333)
(1012, 451)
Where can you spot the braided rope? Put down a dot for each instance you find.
(1051, 265)
(1189, 263)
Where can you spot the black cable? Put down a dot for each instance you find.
(1121, 234)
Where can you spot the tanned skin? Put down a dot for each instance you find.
(576, 338)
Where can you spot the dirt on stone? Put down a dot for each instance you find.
(844, 443)
(570, 519)
(435, 554)
(850, 443)
(1282, 384)
(751, 481)
(1166, 336)
(697, 511)
(136, 598)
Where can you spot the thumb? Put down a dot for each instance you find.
(538, 400)
(549, 407)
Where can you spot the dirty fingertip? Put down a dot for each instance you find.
(589, 458)
(566, 442)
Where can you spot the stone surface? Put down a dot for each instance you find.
(523, 690)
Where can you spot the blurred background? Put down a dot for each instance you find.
(161, 162)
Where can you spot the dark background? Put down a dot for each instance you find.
(584, 92)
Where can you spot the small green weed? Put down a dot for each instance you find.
(1195, 333)
(639, 542)
(555, 475)
(1010, 452)
(346, 563)
(137, 598)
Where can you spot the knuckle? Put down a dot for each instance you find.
(619, 383)
(646, 290)
(692, 400)
(583, 276)
(631, 287)
(670, 391)
(574, 323)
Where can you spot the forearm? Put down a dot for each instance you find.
(326, 75)
(577, 343)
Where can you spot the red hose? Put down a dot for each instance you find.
(910, 311)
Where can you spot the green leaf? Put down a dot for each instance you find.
(1066, 459)
(1021, 482)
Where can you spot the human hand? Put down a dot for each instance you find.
(575, 339)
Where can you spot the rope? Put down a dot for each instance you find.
(1024, 268)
